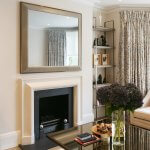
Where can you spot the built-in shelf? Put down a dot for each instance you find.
(98, 106)
(98, 52)
(102, 47)
(101, 85)
(104, 66)
(103, 29)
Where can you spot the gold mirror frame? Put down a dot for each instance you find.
(24, 67)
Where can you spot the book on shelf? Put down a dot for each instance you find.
(101, 85)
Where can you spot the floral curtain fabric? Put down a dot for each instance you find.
(135, 48)
(57, 47)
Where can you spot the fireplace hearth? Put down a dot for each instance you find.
(53, 110)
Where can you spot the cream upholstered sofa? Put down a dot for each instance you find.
(141, 116)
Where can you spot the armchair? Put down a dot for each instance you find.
(141, 116)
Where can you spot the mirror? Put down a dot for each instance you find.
(50, 39)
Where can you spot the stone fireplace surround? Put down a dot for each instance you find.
(28, 86)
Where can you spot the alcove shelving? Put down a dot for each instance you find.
(98, 65)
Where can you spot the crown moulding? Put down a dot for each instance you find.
(109, 7)
(93, 3)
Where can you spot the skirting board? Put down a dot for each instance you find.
(27, 140)
(9, 140)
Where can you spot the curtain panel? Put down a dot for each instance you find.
(57, 47)
(135, 48)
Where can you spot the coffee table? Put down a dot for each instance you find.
(136, 139)
(65, 139)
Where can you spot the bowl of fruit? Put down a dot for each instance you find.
(102, 129)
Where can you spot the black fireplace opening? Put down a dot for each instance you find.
(53, 110)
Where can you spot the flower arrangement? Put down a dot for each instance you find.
(118, 99)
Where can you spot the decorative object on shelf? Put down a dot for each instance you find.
(95, 42)
(100, 19)
(104, 80)
(105, 59)
(103, 40)
(94, 22)
(99, 41)
(118, 100)
(98, 104)
(99, 81)
(94, 82)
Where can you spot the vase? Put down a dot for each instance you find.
(118, 129)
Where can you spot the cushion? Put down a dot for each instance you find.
(142, 113)
(146, 100)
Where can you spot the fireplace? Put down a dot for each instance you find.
(28, 88)
(53, 110)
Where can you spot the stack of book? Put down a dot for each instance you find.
(86, 139)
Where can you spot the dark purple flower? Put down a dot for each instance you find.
(135, 97)
(118, 97)
(103, 95)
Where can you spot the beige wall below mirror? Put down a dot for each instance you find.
(50, 39)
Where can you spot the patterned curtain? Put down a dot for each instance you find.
(135, 48)
(57, 47)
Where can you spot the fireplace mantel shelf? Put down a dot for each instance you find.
(51, 84)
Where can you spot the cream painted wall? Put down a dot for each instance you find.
(38, 47)
(10, 113)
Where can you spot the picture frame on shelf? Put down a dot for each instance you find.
(99, 58)
(105, 59)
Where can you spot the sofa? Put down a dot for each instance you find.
(141, 116)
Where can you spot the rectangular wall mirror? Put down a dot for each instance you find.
(50, 39)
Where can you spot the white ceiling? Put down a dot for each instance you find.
(112, 3)
(45, 20)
